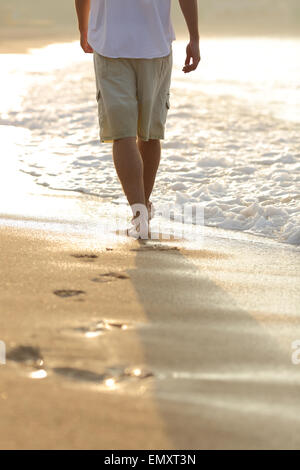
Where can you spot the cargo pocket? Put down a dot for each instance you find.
(100, 107)
(165, 108)
(168, 101)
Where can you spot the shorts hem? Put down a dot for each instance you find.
(114, 137)
(111, 139)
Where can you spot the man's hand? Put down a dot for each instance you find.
(192, 52)
(84, 43)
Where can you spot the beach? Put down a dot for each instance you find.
(112, 343)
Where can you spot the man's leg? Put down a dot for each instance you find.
(150, 151)
(129, 166)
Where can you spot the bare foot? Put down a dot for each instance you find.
(150, 212)
(140, 228)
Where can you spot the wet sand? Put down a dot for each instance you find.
(147, 346)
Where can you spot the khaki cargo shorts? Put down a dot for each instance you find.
(133, 96)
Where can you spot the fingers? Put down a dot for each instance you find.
(192, 52)
(86, 47)
(190, 67)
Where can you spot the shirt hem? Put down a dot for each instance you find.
(155, 56)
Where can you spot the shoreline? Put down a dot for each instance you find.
(83, 214)
(80, 213)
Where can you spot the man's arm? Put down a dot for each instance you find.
(83, 11)
(190, 12)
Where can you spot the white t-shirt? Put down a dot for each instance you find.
(131, 28)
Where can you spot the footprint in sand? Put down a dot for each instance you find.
(85, 256)
(29, 357)
(109, 377)
(68, 292)
(109, 277)
(114, 324)
(79, 374)
(99, 328)
(126, 373)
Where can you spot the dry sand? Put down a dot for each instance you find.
(214, 326)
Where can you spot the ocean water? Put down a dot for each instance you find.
(232, 135)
